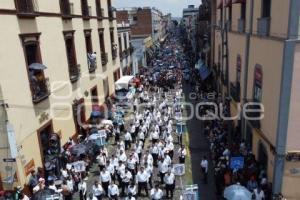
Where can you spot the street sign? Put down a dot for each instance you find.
(237, 163)
(9, 160)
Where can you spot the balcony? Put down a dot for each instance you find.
(111, 13)
(241, 25)
(263, 26)
(114, 53)
(104, 58)
(92, 63)
(235, 91)
(40, 89)
(228, 25)
(74, 72)
(26, 8)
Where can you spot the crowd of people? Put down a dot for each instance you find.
(140, 164)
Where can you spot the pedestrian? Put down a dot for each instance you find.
(182, 153)
(105, 179)
(97, 190)
(127, 140)
(204, 168)
(141, 179)
(258, 194)
(66, 192)
(82, 187)
(126, 178)
(113, 191)
(156, 193)
(169, 181)
(132, 189)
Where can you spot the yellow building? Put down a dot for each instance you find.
(260, 63)
(58, 59)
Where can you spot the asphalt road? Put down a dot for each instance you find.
(199, 147)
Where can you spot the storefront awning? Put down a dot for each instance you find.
(123, 82)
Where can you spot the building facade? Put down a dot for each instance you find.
(143, 22)
(59, 60)
(256, 57)
(125, 49)
(190, 24)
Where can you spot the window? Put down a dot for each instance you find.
(94, 96)
(266, 8)
(79, 115)
(135, 18)
(85, 8)
(120, 44)
(65, 7)
(117, 75)
(257, 86)
(113, 45)
(98, 8)
(88, 41)
(71, 56)
(25, 6)
(125, 41)
(106, 87)
(243, 11)
(37, 81)
(101, 39)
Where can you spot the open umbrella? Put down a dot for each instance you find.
(237, 192)
(79, 149)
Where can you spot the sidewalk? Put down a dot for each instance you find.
(199, 146)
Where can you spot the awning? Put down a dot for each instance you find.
(204, 72)
(37, 66)
(123, 82)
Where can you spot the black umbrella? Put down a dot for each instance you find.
(79, 149)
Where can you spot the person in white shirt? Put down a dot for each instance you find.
(162, 168)
(105, 179)
(132, 165)
(167, 158)
(156, 193)
(53, 187)
(131, 190)
(101, 158)
(91, 197)
(259, 194)
(70, 184)
(122, 156)
(113, 191)
(154, 152)
(141, 179)
(169, 180)
(127, 140)
(130, 197)
(204, 167)
(120, 169)
(111, 168)
(182, 153)
(97, 190)
(126, 178)
(149, 170)
(170, 147)
(82, 187)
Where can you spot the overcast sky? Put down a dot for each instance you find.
(166, 6)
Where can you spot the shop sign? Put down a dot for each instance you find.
(29, 167)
